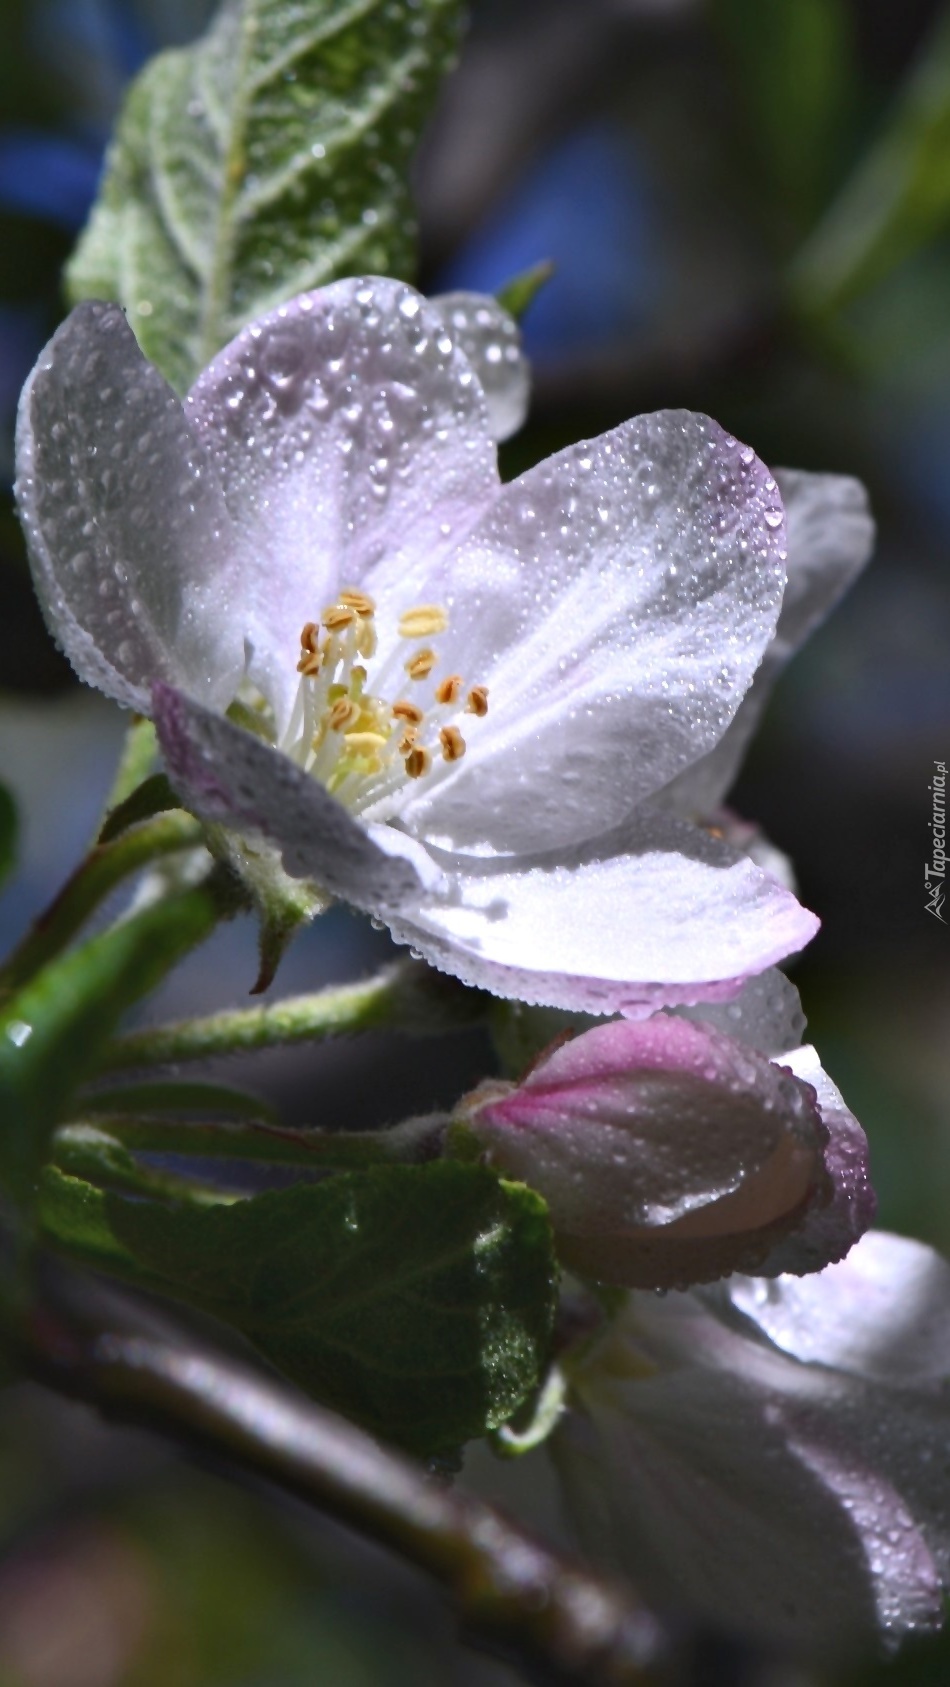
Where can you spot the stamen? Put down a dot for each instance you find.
(453, 744)
(423, 621)
(404, 710)
(360, 601)
(450, 689)
(344, 713)
(338, 615)
(343, 730)
(421, 665)
(418, 762)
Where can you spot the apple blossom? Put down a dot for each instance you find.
(771, 1455)
(446, 700)
(669, 1153)
(830, 537)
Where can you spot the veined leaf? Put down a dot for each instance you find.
(270, 157)
(416, 1299)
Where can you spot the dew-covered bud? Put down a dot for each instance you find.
(668, 1154)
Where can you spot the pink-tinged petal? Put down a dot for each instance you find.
(125, 525)
(352, 441)
(766, 1016)
(882, 1313)
(491, 340)
(616, 601)
(731, 1481)
(830, 537)
(828, 1232)
(227, 776)
(667, 1154)
(669, 915)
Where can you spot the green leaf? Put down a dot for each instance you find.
(52, 1030)
(9, 828)
(137, 761)
(198, 1099)
(898, 198)
(270, 157)
(153, 796)
(416, 1299)
(793, 64)
(83, 1151)
(518, 293)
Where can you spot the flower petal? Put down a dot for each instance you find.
(766, 1016)
(830, 537)
(883, 1312)
(664, 914)
(126, 528)
(352, 441)
(717, 1474)
(491, 340)
(667, 1154)
(228, 776)
(827, 1232)
(616, 601)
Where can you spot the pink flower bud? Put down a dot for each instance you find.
(667, 1153)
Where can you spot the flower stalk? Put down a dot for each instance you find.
(104, 868)
(406, 997)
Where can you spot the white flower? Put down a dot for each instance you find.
(772, 1456)
(448, 701)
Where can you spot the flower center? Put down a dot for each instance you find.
(364, 747)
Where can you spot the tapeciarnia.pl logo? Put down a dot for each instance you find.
(935, 874)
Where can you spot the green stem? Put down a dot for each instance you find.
(275, 1144)
(103, 869)
(406, 997)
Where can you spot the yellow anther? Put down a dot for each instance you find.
(450, 689)
(338, 615)
(404, 710)
(308, 637)
(417, 762)
(343, 714)
(310, 663)
(453, 744)
(423, 621)
(360, 601)
(477, 700)
(421, 665)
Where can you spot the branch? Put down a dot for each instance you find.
(552, 1618)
